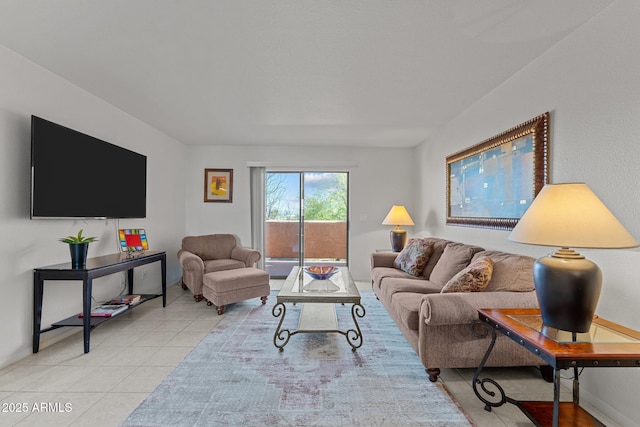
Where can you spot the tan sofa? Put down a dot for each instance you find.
(209, 253)
(438, 325)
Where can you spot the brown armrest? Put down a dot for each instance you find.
(192, 268)
(383, 259)
(190, 261)
(460, 308)
(247, 255)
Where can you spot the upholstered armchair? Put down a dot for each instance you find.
(214, 252)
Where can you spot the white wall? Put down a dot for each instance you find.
(589, 82)
(379, 178)
(27, 89)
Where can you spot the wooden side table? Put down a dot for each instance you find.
(607, 344)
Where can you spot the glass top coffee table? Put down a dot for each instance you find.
(318, 299)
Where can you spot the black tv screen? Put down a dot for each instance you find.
(74, 175)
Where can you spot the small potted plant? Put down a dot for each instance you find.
(78, 247)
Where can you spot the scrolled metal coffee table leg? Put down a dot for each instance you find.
(494, 403)
(354, 336)
(281, 336)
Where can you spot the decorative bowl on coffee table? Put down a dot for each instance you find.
(320, 272)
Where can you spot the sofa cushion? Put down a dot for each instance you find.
(407, 307)
(210, 246)
(511, 272)
(379, 273)
(438, 249)
(473, 278)
(413, 258)
(213, 265)
(455, 257)
(414, 285)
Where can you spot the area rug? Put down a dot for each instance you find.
(236, 377)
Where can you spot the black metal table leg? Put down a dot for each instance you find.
(130, 280)
(163, 272)
(556, 397)
(86, 312)
(281, 336)
(354, 336)
(38, 288)
(494, 403)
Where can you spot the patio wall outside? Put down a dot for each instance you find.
(325, 243)
(323, 239)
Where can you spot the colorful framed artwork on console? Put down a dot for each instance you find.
(218, 185)
(133, 240)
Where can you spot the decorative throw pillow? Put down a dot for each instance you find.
(474, 278)
(414, 256)
(454, 258)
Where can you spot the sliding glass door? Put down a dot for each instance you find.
(305, 220)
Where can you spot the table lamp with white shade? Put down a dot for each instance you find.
(398, 216)
(567, 284)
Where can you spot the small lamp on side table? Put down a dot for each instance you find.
(398, 216)
(567, 284)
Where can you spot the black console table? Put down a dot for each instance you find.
(95, 267)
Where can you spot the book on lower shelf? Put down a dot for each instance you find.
(126, 299)
(106, 310)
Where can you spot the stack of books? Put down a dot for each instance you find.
(107, 310)
(126, 299)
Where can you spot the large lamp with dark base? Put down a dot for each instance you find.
(398, 216)
(567, 284)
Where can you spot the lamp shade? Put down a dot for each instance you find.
(398, 215)
(567, 284)
(570, 215)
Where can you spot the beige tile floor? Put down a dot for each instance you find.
(130, 355)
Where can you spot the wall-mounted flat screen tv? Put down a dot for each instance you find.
(74, 175)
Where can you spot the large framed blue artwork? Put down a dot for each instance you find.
(491, 184)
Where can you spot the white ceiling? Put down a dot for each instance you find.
(383, 73)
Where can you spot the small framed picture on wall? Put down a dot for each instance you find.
(218, 185)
